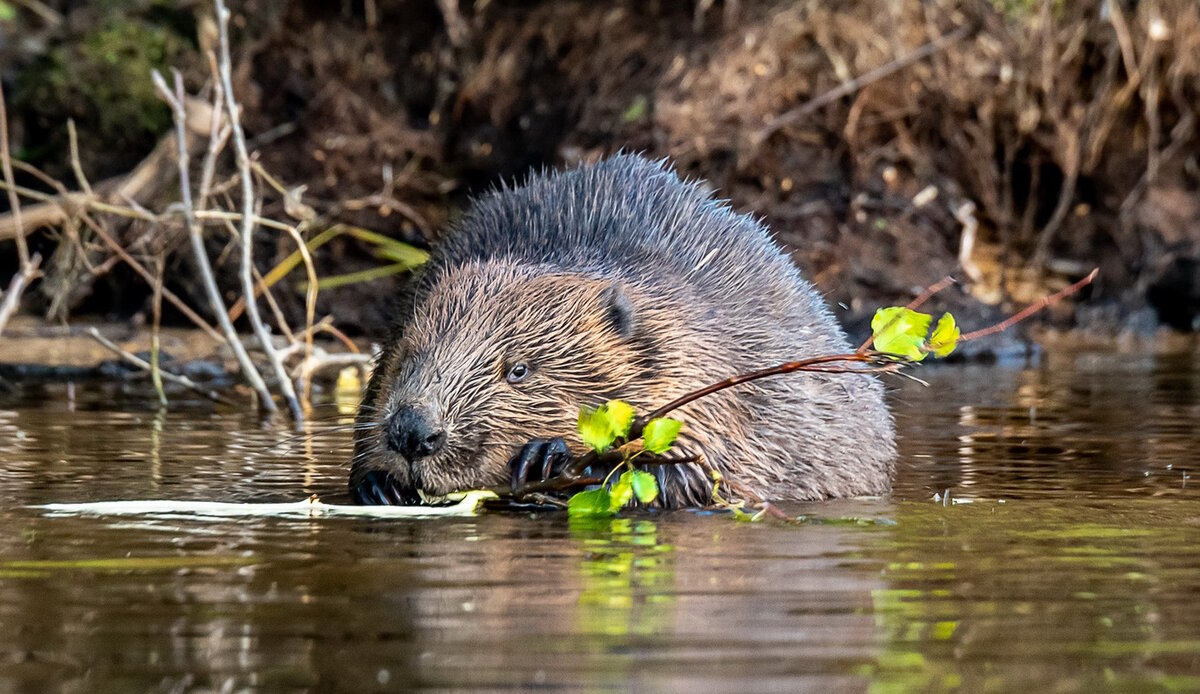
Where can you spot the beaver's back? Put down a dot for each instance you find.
(635, 218)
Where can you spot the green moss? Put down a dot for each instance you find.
(101, 79)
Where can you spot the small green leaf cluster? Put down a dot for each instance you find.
(605, 501)
(609, 425)
(905, 333)
(601, 426)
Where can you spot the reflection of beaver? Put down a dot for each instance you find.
(613, 281)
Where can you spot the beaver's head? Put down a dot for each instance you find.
(493, 355)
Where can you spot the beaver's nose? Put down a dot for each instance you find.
(412, 435)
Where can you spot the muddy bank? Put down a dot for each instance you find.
(1015, 145)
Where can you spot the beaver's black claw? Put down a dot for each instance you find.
(540, 459)
(378, 488)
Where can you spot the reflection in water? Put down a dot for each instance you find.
(628, 583)
(1094, 596)
(1078, 425)
(1074, 567)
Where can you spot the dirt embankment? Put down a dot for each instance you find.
(1013, 144)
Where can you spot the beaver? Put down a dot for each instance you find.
(613, 280)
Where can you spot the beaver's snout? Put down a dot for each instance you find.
(413, 434)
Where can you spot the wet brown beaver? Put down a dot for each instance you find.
(615, 280)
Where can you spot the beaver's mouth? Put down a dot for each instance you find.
(450, 471)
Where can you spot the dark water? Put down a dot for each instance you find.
(1074, 568)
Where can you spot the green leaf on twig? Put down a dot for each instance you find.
(945, 336)
(600, 426)
(645, 486)
(901, 331)
(594, 502)
(659, 434)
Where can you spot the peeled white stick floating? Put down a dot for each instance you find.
(465, 504)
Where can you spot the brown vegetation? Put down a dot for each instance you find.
(1016, 144)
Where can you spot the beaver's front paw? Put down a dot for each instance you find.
(540, 459)
(378, 488)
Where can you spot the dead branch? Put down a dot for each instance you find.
(10, 182)
(28, 265)
(146, 366)
(21, 280)
(216, 304)
(224, 63)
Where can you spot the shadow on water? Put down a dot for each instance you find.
(1065, 554)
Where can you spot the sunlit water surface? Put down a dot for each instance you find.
(1072, 568)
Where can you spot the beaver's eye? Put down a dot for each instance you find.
(517, 372)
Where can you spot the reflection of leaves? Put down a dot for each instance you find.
(627, 576)
(660, 433)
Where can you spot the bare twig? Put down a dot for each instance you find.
(28, 265)
(144, 365)
(224, 64)
(48, 14)
(874, 362)
(149, 278)
(76, 165)
(218, 135)
(1124, 40)
(310, 295)
(155, 342)
(216, 304)
(1030, 309)
(10, 183)
(320, 361)
(21, 280)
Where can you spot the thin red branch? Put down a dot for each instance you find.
(863, 361)
(1030, 309)
(875, 362)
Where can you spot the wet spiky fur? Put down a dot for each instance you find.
(618, 280)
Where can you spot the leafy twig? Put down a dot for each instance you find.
(913, 305)
(862, 361)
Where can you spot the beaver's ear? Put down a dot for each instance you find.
(618, 309)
